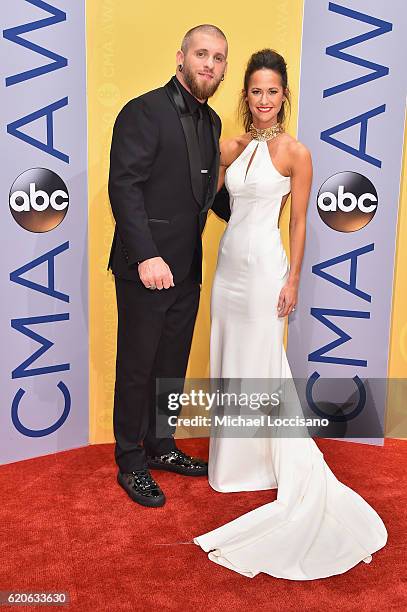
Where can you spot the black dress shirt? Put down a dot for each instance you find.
(200, 112)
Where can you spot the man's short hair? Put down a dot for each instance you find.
(205, 27)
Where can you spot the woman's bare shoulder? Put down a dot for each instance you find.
(231, 148)
(296, 149)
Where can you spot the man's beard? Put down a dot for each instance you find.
(202, 92)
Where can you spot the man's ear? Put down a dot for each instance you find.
(180, 58)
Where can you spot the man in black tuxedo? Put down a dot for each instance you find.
(163, 180)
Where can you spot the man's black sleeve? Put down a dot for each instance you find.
(221, 205)
(134, 145)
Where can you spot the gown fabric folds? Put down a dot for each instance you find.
(317, 527)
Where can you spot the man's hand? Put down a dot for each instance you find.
(154, 273)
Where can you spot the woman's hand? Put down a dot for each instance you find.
(287, 300)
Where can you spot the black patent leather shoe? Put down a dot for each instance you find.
(179, 462)
(142, 488)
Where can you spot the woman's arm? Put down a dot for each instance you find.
(223, 146)
(301, 178)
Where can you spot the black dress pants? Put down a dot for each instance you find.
(154, 338)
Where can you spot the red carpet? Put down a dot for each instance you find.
(66, 525)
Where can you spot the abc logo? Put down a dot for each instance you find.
(38, 200)
(347, 201)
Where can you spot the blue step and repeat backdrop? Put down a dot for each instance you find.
(351, 116)
(44, 270)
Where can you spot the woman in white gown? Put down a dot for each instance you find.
(317, 526)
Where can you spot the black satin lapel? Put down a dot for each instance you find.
(215, 166)
(194, 154)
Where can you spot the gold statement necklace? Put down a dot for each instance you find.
(264, 134)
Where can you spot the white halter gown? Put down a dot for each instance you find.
(317, 527)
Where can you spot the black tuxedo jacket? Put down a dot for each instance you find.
(155, 185)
